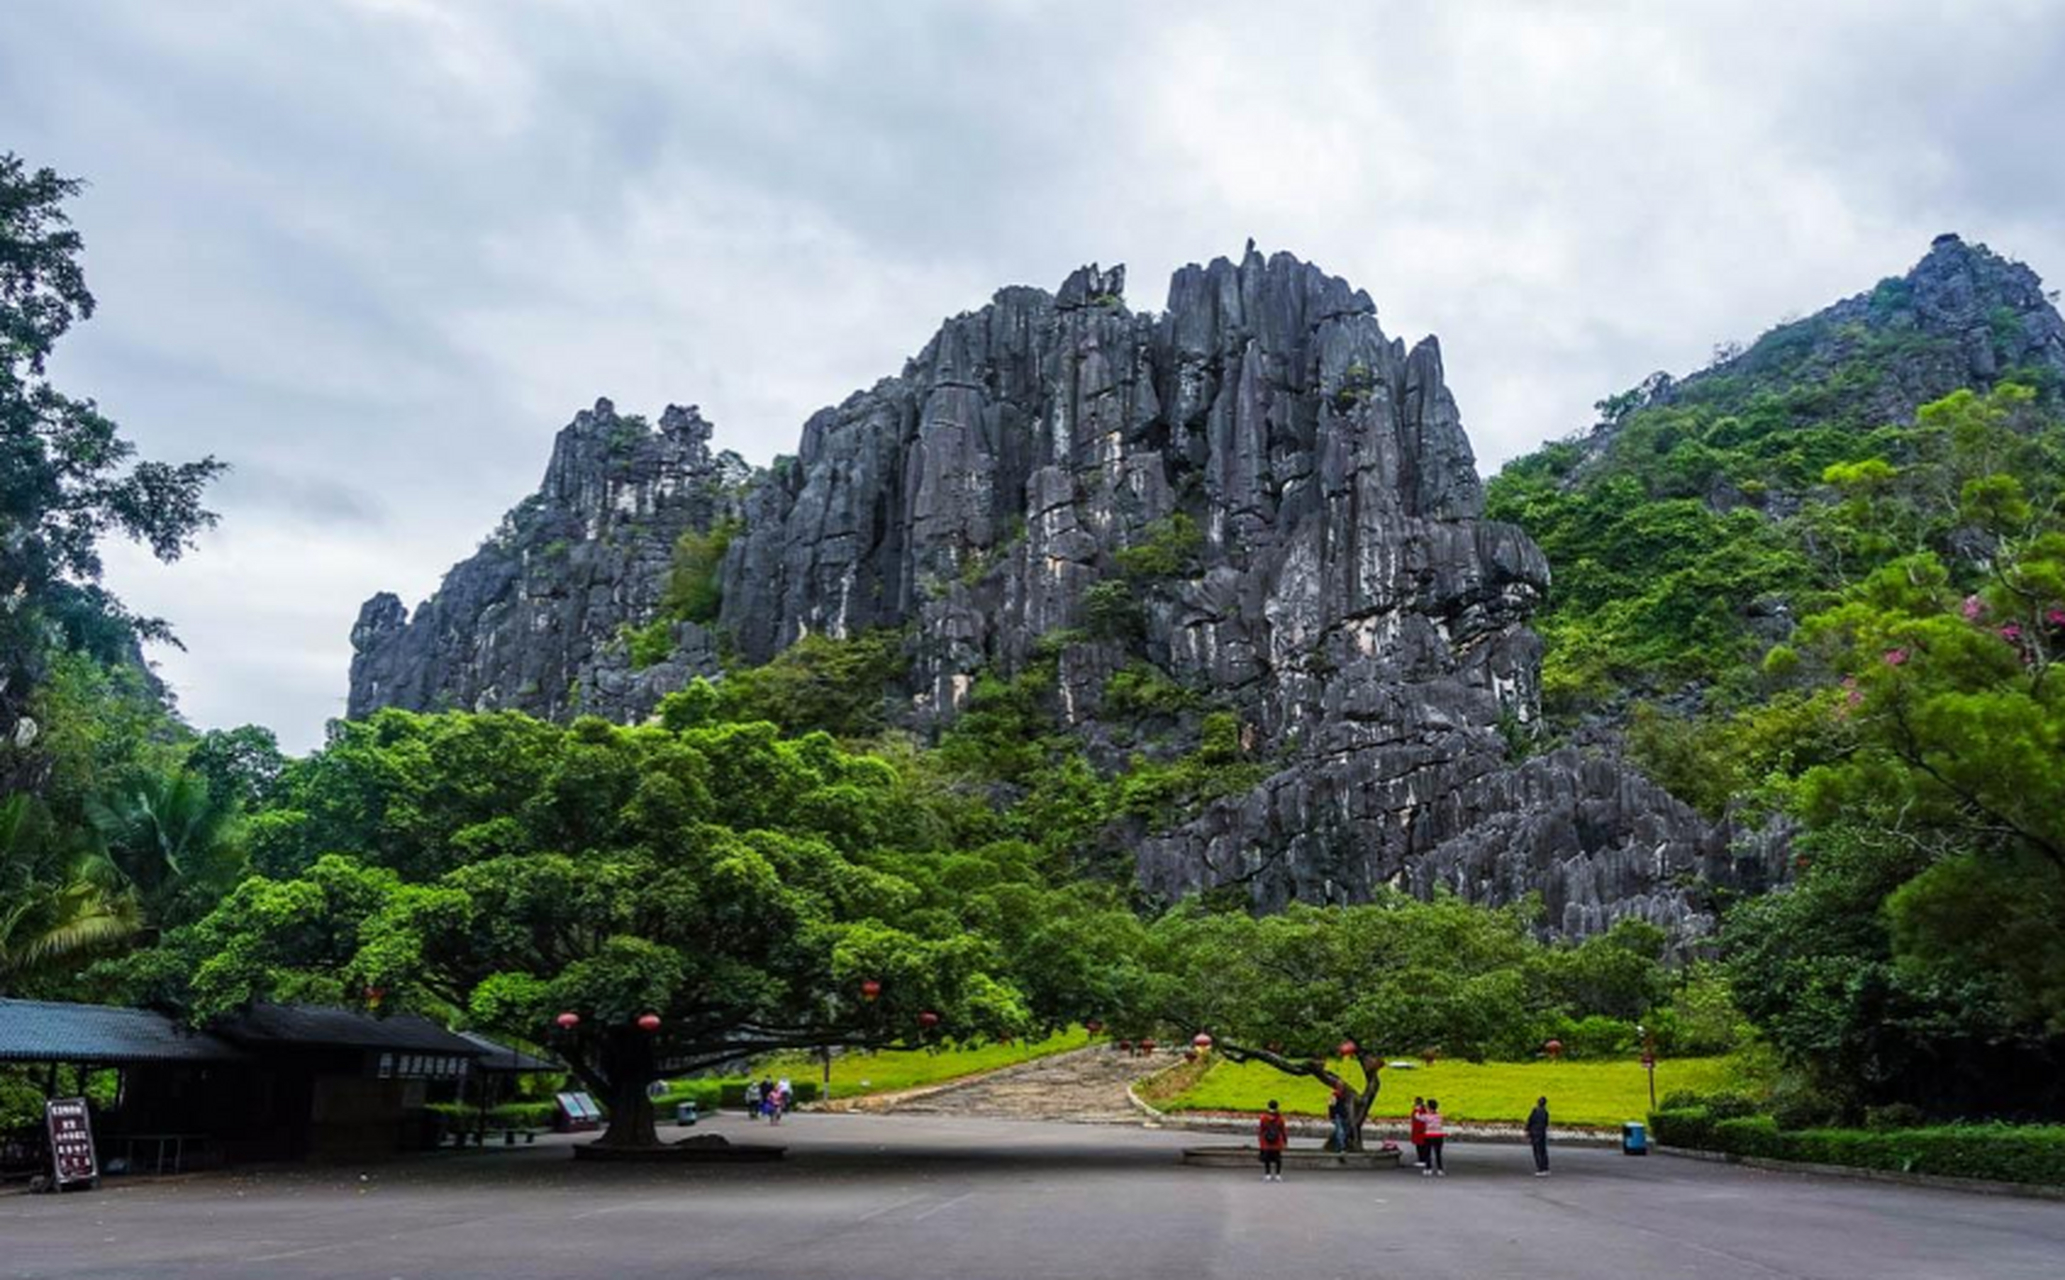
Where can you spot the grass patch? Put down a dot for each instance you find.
(1598, 1093)
(889, 1070)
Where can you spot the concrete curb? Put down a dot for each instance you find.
(1934, 1181)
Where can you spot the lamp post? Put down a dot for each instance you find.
(1649, 1060)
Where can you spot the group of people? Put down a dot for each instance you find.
(1429, 1135)
(769, 1098)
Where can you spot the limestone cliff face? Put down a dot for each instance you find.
(534, 621)
(1341, 593)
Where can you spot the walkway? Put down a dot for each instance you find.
(917, 1197)
(1087, 1086)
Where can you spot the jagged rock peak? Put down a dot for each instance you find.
(1256, 496)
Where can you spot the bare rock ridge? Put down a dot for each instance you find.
(1308, 552)
(533, 621)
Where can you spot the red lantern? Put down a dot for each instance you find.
(1147, 1046)
(1093, 1026)
(928, 1019)
(1345, 1049)
(1125, 1046)
(649, 1022)
(374, 995)
(871, 990)
(1555, 1048)
(1190, 1055)
(1202, 1042)
(568, 1021)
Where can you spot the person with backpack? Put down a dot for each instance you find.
(1272, 1136)
(1538, 1136)
(752, 1100)
(1436, 1129)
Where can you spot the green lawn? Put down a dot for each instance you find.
(1599, 1093)
(855, 1074)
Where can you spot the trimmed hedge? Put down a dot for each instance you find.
(510, 1115)
(1996, 1152)
(709, 1094)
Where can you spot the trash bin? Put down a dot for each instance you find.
(686, 1113)
(1634, 1139)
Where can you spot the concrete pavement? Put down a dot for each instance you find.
(882, 1197)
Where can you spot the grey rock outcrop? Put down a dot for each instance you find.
(1257, 493)
(535, 620)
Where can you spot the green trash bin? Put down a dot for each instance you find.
(1634, 1138)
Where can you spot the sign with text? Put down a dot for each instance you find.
(71, 1142)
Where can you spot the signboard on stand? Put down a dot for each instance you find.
(72, 1159)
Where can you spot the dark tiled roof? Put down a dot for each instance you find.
(496, 1056)
(50, 1031)
(264, 1025)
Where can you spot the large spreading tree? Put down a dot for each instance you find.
(690, 896)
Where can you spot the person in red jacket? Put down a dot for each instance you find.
(1272, 1137)
(1437, 1133)
(1420, 1132)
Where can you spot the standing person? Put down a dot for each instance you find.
(1437, 1130)
(752, 1100)
(1419, 1132)
(768, 1101)
(1337, 1111)
(1538, 1136)
(785, 1097)
(1272, 1137)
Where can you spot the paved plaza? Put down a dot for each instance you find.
(887, 1197)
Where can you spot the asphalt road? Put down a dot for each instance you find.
(890, 1197)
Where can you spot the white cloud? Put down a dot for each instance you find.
(377, 253)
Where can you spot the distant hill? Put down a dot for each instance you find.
(1680, 529)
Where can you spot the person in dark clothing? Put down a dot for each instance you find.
(1538, 1136)
(1272, 1137)
(1337, 1113)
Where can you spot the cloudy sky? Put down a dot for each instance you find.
(374, 253)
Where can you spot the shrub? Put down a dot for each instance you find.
(1169, 550)
(1111, 611)
(695, 583)
(1894, 1115)
(650, 644)
(1596, 1037)
(1997, 1152)
(1141, 690)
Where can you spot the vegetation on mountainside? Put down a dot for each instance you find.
(1868, 612)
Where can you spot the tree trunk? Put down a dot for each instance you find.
(627, 1068)
(1359, 1104)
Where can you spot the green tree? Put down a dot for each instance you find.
(740, 886)
(68, 479)
(1394, 976)
(59, 902)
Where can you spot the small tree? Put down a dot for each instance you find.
(1395, 976)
